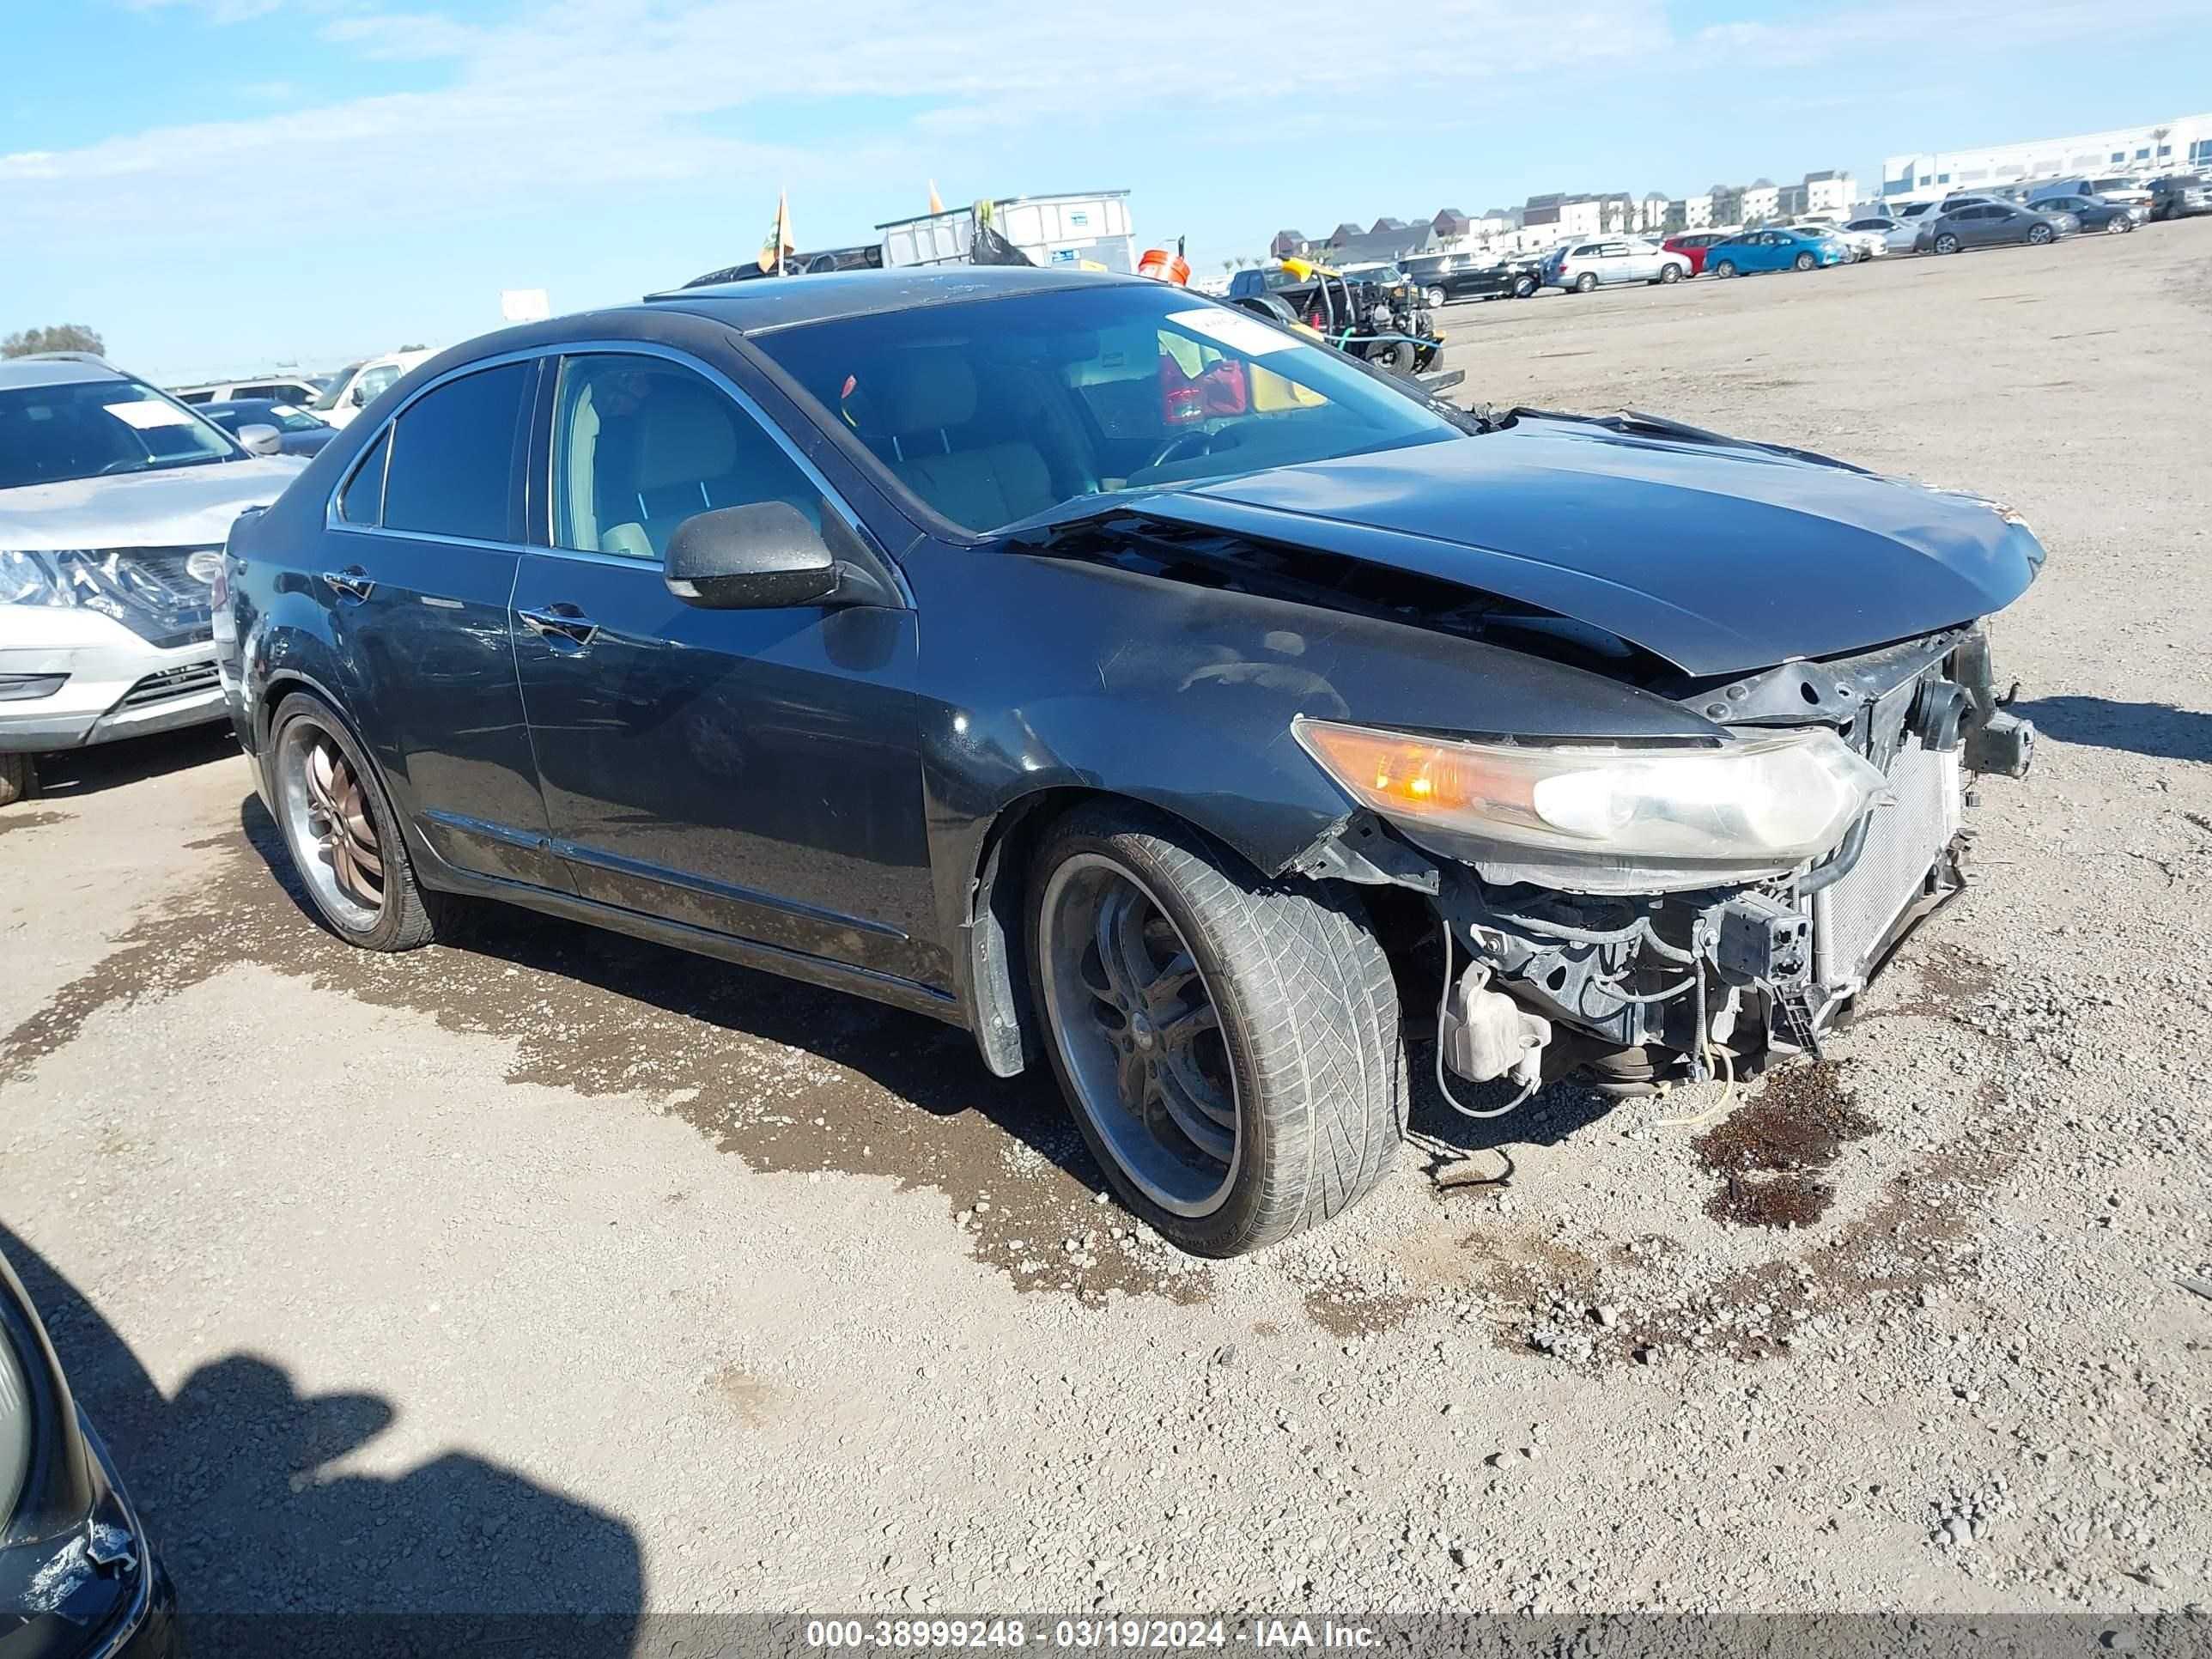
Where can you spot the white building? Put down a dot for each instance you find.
(1698, 211)
(1762, 199)
(1830, 192)
(2162, 147)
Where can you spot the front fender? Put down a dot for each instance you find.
(1182, 697)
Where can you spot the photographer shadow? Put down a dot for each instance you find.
(272, 1553)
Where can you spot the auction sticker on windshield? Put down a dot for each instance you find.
(1246, 336)
(148, 415)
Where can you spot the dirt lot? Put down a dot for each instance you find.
(564, 1272)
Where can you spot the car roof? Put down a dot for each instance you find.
(72, 369)
(757, 308)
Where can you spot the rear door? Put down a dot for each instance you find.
(424, 539)
(753, 773)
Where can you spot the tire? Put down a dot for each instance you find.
(1436, 298)
(1669, 274)
(1398, 357)
(2118, 225)
(1525, 289)
(1864, 255)
(1803, 262)
(1302, 1058)
(1724, 269)
(1947, 243)
(19, 778)
(403, 915)
(1586, 283)
(2038, 235)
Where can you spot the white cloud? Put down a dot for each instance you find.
(569, 102)
(576, 93)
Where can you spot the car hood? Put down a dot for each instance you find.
(183, 506)
(1720, 557)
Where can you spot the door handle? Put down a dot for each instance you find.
(566, 620)
(352, 582)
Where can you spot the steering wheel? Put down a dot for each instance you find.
(119, 464)
(1181, 446)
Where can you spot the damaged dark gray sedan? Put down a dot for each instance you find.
(1143, 688)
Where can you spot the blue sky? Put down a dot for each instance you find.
(218, 186)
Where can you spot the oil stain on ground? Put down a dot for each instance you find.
(789, 1077)
(1773, 1155)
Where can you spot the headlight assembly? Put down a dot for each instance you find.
(1605, 818)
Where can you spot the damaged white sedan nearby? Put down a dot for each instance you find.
(114, 501)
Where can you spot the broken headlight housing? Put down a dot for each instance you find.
(1606, 819)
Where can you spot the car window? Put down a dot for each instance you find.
(339, 381)
(374, 380)
(990, 411)
(100, 429)
(363, 501)
(453, 466)
(640, 444)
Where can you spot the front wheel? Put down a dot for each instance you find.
(1724, 269)
(2038, 235)
(1230, 1045)
(19, 778)
(1803, 262)
(1525, 289)
(1397, 357)
(343, 834)
(1947, 243)
(1586, 283)
(2119, 227)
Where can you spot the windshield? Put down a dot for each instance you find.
(98, 428)
(993, 411)
(338, 383)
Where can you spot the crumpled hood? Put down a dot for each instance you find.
(1721, 559)
(184, 506)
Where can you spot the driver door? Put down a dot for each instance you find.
(753, 773)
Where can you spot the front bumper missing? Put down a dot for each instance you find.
(1677, 984)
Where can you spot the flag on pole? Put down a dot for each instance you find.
(779, 247)
(936, 205)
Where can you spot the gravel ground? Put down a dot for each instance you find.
(560, 1272)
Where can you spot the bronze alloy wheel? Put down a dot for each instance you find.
(327, 820)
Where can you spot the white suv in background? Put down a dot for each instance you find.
(115, 503)
(353, 388)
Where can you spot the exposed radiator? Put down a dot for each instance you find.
(1851, 919)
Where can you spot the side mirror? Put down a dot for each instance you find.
(359, 396)
(259, 439)
(757, 557)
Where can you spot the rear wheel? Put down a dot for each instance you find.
(2038, 235)
(1947, 243)
(1524, 289)
(1230, 1045)
(19, 778)
(1586, 282)
(1397, 356)
(2118, 225)
(1670, 273)
(1436, 298)
(343, 834)
(1803, 262)
(1724, 269)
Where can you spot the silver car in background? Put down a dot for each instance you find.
(1582, 266)
(115, 500)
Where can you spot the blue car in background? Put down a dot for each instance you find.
(1786, 247)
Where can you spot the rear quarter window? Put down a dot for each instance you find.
(453, 469)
